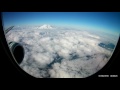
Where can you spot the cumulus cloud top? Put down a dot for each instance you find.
(60, 53)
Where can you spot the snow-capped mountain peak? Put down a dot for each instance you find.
(46, 26)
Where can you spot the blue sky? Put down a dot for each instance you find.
(109, 21)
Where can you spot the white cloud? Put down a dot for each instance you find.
(60, 53)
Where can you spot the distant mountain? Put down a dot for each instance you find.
(41, 27)
(45, 26)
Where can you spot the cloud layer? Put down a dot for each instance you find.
(60, 53)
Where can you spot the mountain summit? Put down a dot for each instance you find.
(46, 26)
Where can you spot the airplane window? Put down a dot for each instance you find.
(61, 44)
